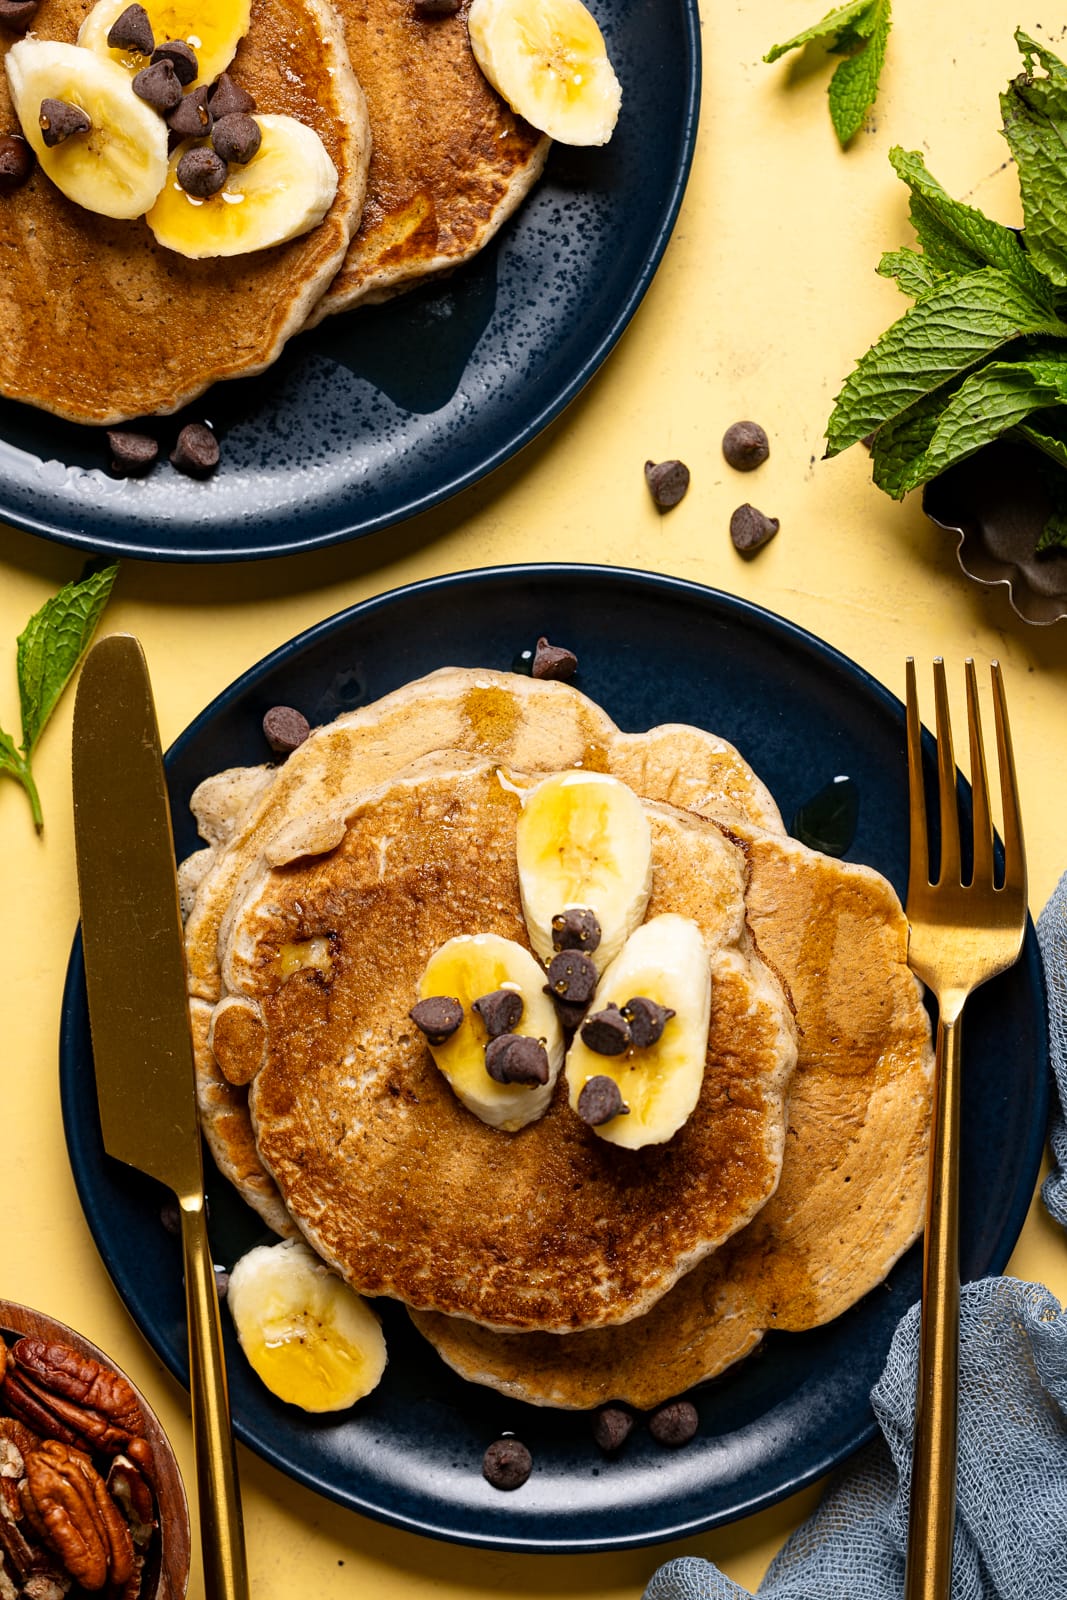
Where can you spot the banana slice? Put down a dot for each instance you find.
(467, 969)
(211, 28)
(665, 961)
(286, 189)
(583, 840)
(314, 1342)
(118, 167)
(548, 60)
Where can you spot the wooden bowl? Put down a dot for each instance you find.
(166, 1573)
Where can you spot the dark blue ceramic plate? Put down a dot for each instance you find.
(382, 413)
(650, 650)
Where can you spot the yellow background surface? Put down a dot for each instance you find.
(765, 298)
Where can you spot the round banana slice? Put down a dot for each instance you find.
(314, 1342)
(285, 190)
(583, 840)
(119, 165)
(666, 961)
(211, 28)
(466, 969)
(548, 60)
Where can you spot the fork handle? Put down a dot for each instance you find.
(932, 1515)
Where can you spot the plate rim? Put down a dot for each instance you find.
(1010, 1221)
(119, 544)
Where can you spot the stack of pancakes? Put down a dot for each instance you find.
(100, 324)
(548, 1263)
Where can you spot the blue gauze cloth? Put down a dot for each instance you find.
(1011, 1518)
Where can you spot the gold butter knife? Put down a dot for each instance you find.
(142, 1047)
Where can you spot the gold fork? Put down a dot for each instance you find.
(961, 934)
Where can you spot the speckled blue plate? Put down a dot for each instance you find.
(390, 409)
(650, 650)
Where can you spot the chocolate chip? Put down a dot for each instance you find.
(58, 120)
(196, 452)
(222, 1282)
(571, 976)
(285, 729)
(552, 661)
(569, 1015)
(750, 530)
(647, 1020)
(501, 1011)
(182, 58)
(132, 454)
(612, 1427)
(745, 446)
(437, 1017)
(192, 117)
(667, 482)
(575, 929)
(674, 1424)
(428, 9)
(158, 87)
(507, 1464)
(600, 1100)
(516, 1058)
(237, 137)
(228, 97)
(132, 30)
(17, 14)
(17, 161)
(201, 172)
(607, 1032)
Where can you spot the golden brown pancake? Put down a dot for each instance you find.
(851, 1195)
(100, 324)
(256, 816)
(392, 1180)
(450, 162)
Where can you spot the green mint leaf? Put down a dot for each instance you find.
(15, 764)
(957, 238)
(952, 329)
(1054, 533)
(1034, 114)
(1047, 432)
(987, 404)
(857, 18)
(52, 644)
(915, 274)
(855, 82)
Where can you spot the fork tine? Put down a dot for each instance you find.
(949, 871)
(982, 868)
(1014, 854)
(919, 848)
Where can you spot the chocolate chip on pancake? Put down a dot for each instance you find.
(501, 1012)
(182, 58)
(438, 1017)
(132, 30)
(606, 1032)
(59, 120)
(236, 137)
(600, 1100)
(647, 1019)
(571, 977)
(202, 172)
(17, 14)
(577, 928)
(158, 86)
(17, 161)
(516, 1058)
(228, 98)
(428, 9)
(191, 117)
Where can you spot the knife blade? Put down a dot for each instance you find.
(139, 1024)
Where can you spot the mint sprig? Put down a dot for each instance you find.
(982, 353)
(858, 32)
(49, 649)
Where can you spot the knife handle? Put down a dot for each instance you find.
(221, 1523)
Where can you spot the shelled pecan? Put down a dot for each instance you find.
(67, 1505)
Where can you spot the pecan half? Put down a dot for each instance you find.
(67, 1504)
(130, 1490)
(33, 1411)
(15, 1440)
(68, 1374)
